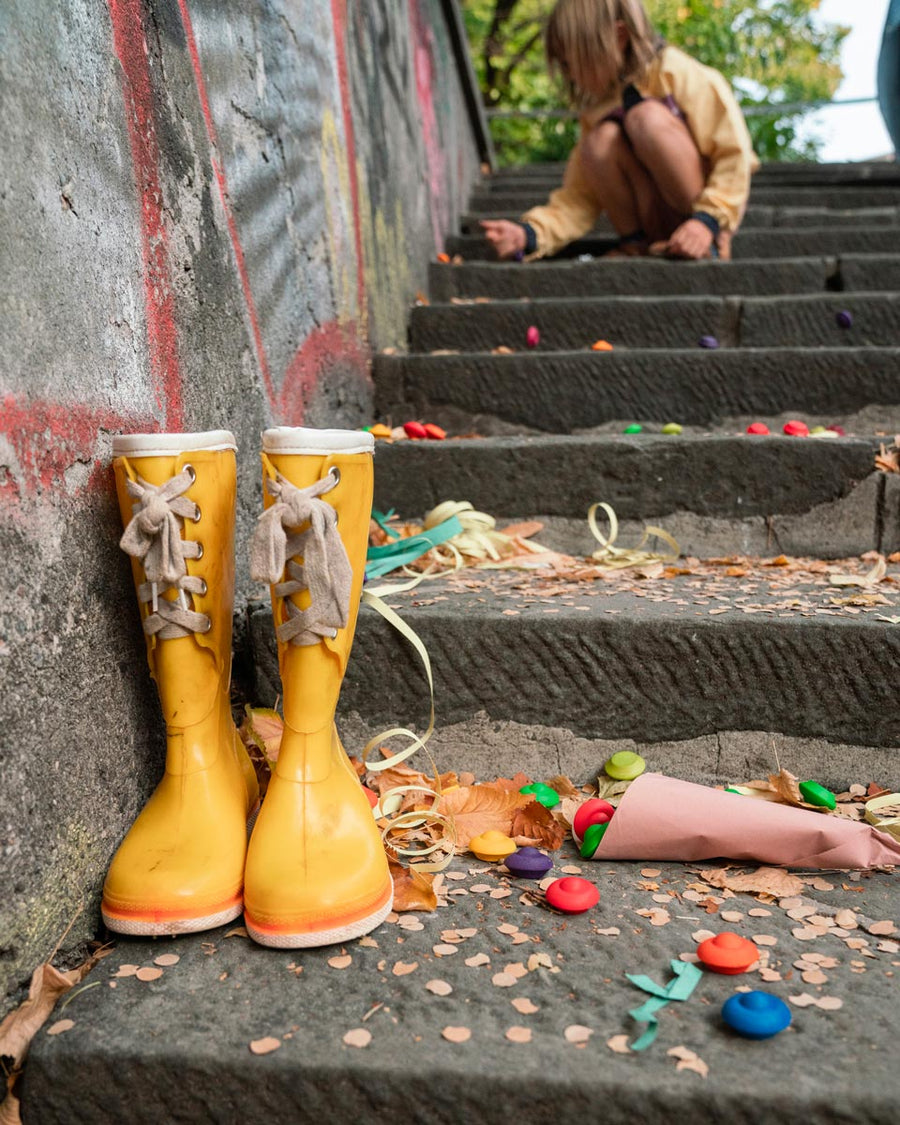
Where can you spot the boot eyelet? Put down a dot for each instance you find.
(191, 472)
(205, 589)
(336, 473)
(197, 514)
(207, 626)
(199, 554)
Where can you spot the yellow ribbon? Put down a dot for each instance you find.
(619, 558)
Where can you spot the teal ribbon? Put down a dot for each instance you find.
(686, 978)
(390, 556)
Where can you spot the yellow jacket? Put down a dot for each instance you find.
(716, 124)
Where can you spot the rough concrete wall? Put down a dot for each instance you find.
(212, 214)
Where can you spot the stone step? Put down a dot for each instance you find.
(653, 277)
(562, 392)
(757, 217)
(177, 1049)
(816, 175)
(660, 660)
(661, 322)
(716, 493)
(840, 198)
(787, 243)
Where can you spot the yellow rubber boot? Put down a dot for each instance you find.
(316, 869)
(180, 868)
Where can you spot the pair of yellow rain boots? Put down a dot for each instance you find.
(314, 871)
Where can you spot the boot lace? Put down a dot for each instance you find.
(325, 570)
(153, 536)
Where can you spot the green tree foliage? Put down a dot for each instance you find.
(773, 51)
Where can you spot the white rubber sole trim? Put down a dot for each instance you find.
(320, 937)
(172, 928)
(164, 445)
(316, 443)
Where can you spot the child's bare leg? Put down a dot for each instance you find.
(664, 146)
(630, 197)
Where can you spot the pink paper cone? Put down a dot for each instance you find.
(663, 818)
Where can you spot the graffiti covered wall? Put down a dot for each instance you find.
(212, 214)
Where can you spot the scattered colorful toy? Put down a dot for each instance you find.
(443, 258)
(601, 346)
(822, 432)
(492, 846)
(815, 794)
(758, 428)
(727, 953)
(844, 319)
(795, 428)
(756, 1015)
(708, 342)
(380, 430)
(672, 428)
(415, 430)
(839, 430)
(572, 895)
(625, 766)
(519, 256)
(545, 795)
(634, 428)
(433, 432)
(528, 863)
(532, 336)
(371, 796)
(594, 811)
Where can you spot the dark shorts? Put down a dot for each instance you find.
(618, 114)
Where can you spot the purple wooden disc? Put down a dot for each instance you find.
(528, 863)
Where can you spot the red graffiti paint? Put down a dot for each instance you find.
(222, 184)
(431, 137)
(47, 439)
(131, 50)
(339, 22)
(333, 345)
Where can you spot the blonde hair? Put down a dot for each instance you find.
(583, 47)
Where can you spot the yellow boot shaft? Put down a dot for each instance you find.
(181, 865)
(316, 869)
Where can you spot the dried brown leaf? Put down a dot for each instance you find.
(262, 728)
(509, 784)
(480, 808)
(47, 986)
(765, 880)
(536, 824)
(413, 890)
(396, 776)
(563, 786)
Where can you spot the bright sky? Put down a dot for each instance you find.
(854, 132)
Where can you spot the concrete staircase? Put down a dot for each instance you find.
(710, 678)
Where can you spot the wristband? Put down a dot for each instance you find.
(530, 237)
(711, 224)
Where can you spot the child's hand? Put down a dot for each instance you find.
(692, 239)
(507, 239)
